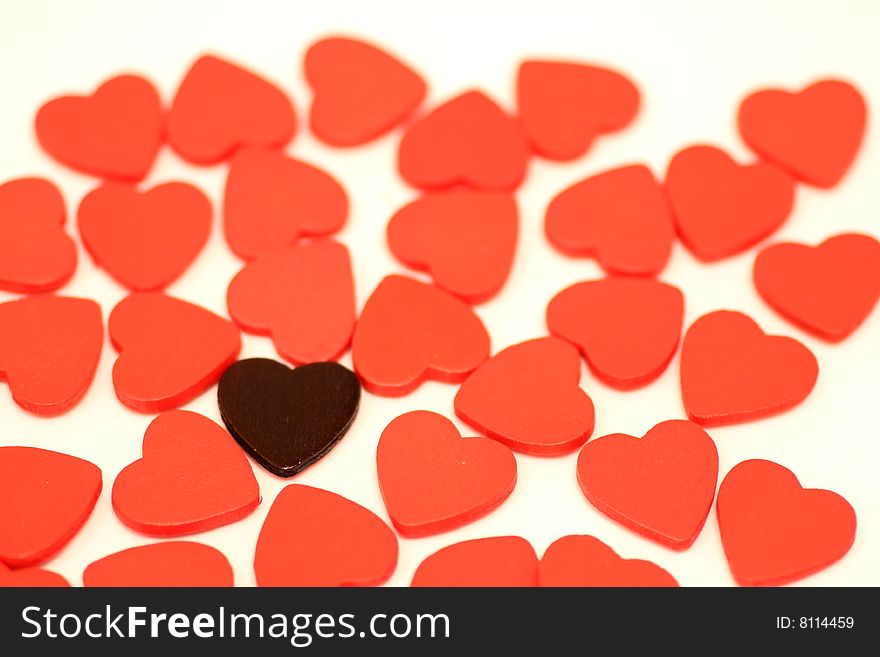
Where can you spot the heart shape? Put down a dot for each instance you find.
(587, 561)
(313, 537)
(114, 133)
(468, 140)
(814, 133)
(30, 578)
(829, 289)
(171, 351)
(661, 485)
(722, 208)
(193, 477)
(220, 107)
(36, 255)
(182, 564)
(45, 498)
(49, 350)
(410, 331)
(627, 328)
(465, 238)
(287, 419)
(302, 296)
(527, 397)
(619, 217)
(483, 562)
(774, 531)
(361, 92)
(272, 200)
(564, 106)
(433, 481)
(732, 372)
(145, 240)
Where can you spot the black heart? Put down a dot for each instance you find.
(287, 419)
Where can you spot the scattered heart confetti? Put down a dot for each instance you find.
(774, 531)
(221, 107)
(114, 133)
(361, 92)
(145, 240)
(288, 419)
(49, 350)
(36, 255)
(587, 561)
(409, 331)
(527, 396)
(661, 485)
(272, 200)
(171, 351)
(619, 217)
(465, 238)
(30, 577)
(722, 208)
(829, 289)
(302, 296)
(732, 372)
(169, 564)
(192, 478)
(313, 537)
(814, 134)
(468, 140)
(564, 106)
(45, 498)
(497, 561)
(627, 328)
(433, 480)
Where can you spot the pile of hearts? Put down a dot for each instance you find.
(466, 156)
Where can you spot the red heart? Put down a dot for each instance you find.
(774, 531)
(303, 297)
(627, 328)
(410, 331)
(564, 106)
(272, 200)
(221, 107)
(732, 372)
(171, 351)
(587, 561)
(145, 240)
(313, 537)
(467, 140)
(114, 133)
(49, 350)
(527, 397)
(36, 255)
(498, 561)
(814, 133)
(361, 92)
(466, 239)
(620, 217)
(829, 289)
(30, 577)
(722, 208)
(433, 481)
(45, 498)
(660, 486)
(170, 564)
(193, 477)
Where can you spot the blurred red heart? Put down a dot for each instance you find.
(170, 564)
(496, 561)
(564, 106)
(361, 92)
(30, 577)
(36, 255)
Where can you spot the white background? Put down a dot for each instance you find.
(693, 61)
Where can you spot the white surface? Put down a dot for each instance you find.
(693, 62)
